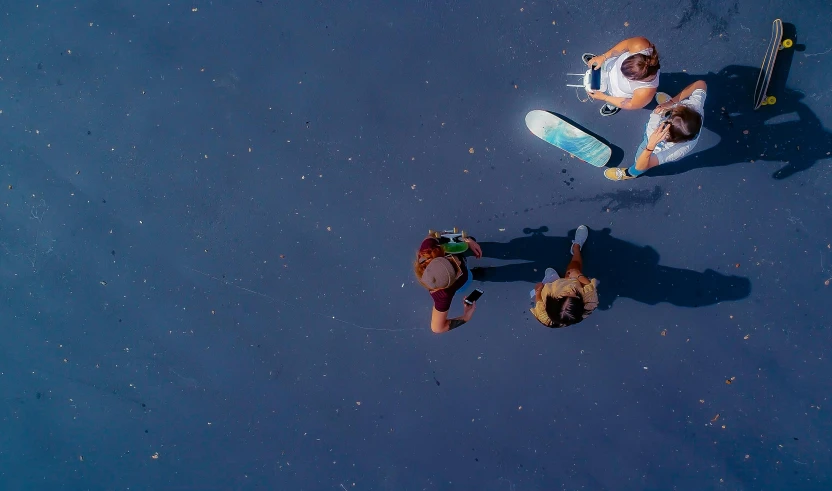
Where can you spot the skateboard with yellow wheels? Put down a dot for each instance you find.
(762, 95)
(452, 241)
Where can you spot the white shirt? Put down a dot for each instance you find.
(669, 151)
(618, 84)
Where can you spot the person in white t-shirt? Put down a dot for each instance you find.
(629, 75)
(671, 132)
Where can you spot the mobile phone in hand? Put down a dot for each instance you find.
(473, 296)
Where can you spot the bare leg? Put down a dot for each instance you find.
(577, 262)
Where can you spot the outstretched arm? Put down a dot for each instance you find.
(631, 45)
(641, 97)
(684, 94)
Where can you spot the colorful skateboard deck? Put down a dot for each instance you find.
(568, 138)
(451, 240)
(761, 90)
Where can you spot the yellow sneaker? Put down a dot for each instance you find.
(617, 174)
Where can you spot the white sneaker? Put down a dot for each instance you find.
(550, 275)
(580, 237)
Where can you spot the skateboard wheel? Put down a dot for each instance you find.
(455, 230)
(770, 100)
(464, 235)
(788, 43)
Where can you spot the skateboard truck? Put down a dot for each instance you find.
(452, 241)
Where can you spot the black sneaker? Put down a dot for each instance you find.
(586, 57)
(607, 110)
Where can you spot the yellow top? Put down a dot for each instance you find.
(563, 287)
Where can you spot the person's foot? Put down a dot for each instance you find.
(607, 110)
(580, 237)
(586, 57)
(617, 174)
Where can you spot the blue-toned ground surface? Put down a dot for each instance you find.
(210, 209)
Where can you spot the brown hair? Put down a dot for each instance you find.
(641, 67)
(685, 124)
(564, 311)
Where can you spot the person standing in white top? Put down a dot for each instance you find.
(671, 132)
(629, 75)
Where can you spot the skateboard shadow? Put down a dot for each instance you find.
(787, 132)
(617, 155)
(622, 268)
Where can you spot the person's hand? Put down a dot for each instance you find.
(468, 310)
(475, 248)
(596, 95)
(596, 61)
(659, 135)
(661, 108)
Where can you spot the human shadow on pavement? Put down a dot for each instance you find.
(623, 269)
(787, 132)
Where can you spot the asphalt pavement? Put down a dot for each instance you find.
(210, 210)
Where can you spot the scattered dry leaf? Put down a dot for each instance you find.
(413, 186)
(471, 150)
(729, 381)
(664, 332)
(626, 24)
(465, 171)
(746, 336)
(564, 51)
(283, 256)
(827, 282)
(744, 132)
(357, 403)
(713, 420)
(155, 455)
(329, 229)
(701, 401)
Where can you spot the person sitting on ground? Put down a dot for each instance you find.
(443, 275)
(671, 132)
(629, 75)
(561, 302)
